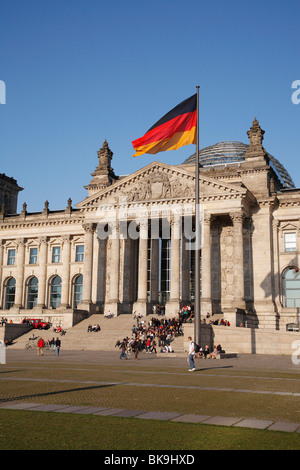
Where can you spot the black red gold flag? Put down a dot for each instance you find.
(176, 129)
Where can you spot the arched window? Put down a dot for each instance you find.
(78, 282)
(55, 292)
(32, 292)
(10, 290)
(291, 287)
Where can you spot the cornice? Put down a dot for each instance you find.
(295, 203)
(268, 202)
(289, 199)
(38, 223)
(170, 201)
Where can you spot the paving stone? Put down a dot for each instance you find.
(90, 411)
(254, 423)
(48, 407)
(70, 409)
(191, 418)
(222, 420)
(281, 426)
(164, 416)
(108, 411)
(19, 406)
(129, 413)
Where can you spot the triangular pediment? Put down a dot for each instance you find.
(158, 181)
(289, 226)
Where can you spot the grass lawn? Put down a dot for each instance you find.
(32, 430)
(247, 387)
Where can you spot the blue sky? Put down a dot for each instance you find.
(81, 71)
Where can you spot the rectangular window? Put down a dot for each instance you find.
(56, 254)
(33, 255)
(79, 253)
(290, 241)
(11, 257)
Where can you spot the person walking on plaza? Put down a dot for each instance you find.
(135, 347)
(52, 344)
(191, 354)
(123, 348)
(57, 345)
(40, 347)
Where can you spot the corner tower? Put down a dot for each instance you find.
(103, 175)
(9, 190)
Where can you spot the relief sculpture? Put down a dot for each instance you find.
(227, 276)
(159, 186)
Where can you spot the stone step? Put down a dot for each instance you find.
(78, 338)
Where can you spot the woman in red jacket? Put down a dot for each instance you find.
(40, 347)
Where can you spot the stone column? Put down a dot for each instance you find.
(101, 273)
(87, 267)
(154, 276)
(126, 274)
(1, 271)
(173, 305)
(185, 271)
(263, 291)
(140, 306)
(206, 302)
(42, 260)
(276, 268)
(66, 255)
(112, 304)
(238, 249)
(20, 273)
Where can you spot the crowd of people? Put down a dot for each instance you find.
(53, 344)
(156, 335)
(203, 353)
(220, 322)
(186, 314)
(93, 328)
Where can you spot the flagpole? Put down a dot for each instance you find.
(197, 307)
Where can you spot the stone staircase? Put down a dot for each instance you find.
(78, 338)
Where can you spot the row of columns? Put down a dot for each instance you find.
(178, 265)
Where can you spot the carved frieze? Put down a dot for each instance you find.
(108, 267)
(159, 186)
(227, 264)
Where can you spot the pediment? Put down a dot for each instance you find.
(289, 226)
(159, 182)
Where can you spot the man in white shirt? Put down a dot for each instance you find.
(191, 354)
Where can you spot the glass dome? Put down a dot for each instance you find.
(226, 153)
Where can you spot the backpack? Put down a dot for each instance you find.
(196, 347)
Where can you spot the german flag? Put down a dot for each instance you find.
(176, 129)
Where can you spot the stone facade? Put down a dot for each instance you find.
(127, 246)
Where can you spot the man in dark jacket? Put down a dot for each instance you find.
(57, 345)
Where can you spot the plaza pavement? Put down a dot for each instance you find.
(248, 363)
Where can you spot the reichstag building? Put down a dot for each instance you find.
(127, 247)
